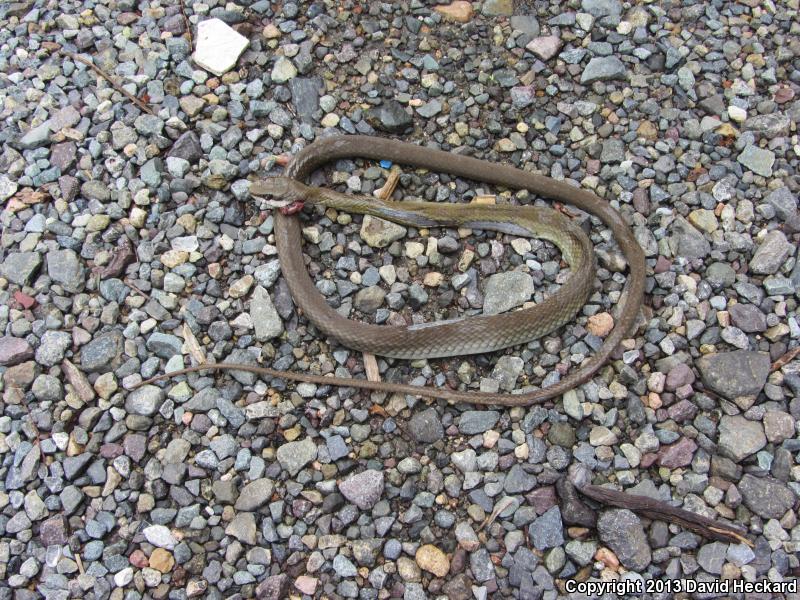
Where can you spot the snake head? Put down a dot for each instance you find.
(288, 194)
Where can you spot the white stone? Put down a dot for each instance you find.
(160, 536)
(218, 46)
(7, 188)
(737, 114)
(124, 577)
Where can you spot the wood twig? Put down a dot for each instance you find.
(187, 23)
(133, 286)
(661, 511)
(785, 359)
(137, 101)
(384, 193)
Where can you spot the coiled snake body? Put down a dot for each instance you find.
(459, 337)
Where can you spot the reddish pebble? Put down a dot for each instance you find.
(542, 499)
(138, 559)
(187, 417)
(306, 584)
(24, 300)
(662, 265)
(111, 451)
(679, 454)
(783, 95)
(648, 459)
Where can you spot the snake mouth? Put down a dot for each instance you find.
(287, 195)
(292, 208)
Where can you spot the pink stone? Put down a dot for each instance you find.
(306, 584)
(542, 499)
(545, 47)
(138, 559)
(111, 451)
(24, 300)
(678, 454)
(662, 265)
(14, 350)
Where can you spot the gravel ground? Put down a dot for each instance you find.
(130, 244)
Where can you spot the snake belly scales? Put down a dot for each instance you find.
(453, 337)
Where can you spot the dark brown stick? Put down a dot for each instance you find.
(661, 511)
(186, 23)
(108, 78)
(785, 359)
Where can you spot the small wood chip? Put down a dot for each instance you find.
(385, 192)
(192, 346)
(371, 367)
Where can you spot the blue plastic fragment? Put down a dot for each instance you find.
(386, 164)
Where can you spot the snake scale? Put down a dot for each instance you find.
(454, 337)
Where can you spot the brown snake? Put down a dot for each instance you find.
(449, 338)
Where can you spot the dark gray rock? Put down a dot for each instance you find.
(771, 254)
(144, 401)
(242, 356)
(255, 494)
(102, 352)
(622, 531)
(748, 318)
(505, 291)
(518, 480)
(20, 267)
(293, 456)
(785, 205)
(604, 68)
(740, 437)
(64, 267)
(735, 374)
(164, 345)
(426, 427)
(337, 447)
(390, 117)
(547, 531)
(686, 241)
(765, 496)
(305, 96)
(711, 557)
(573, 509)
(187, 147)
(477, 421)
